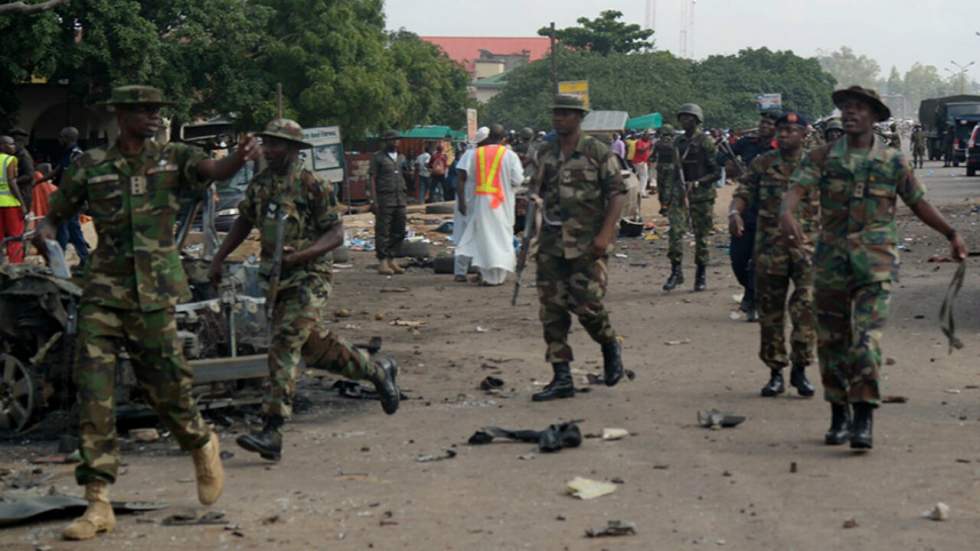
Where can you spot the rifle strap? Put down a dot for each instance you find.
(947, 321)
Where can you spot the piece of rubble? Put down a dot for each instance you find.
(851, 523)
(144, 435)
(614, 434)
(614, 528)
(449, 454)
(938, 513)
(713, 418)
(584, 488)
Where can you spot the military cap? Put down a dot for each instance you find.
(136, 95)
(833, 124)
(865, 95)
(390, 135)
(666, 129)
(569, 102)
(792, 117)
(287, 130)
(691, 109)
(527, 133)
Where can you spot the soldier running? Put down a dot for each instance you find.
(133, 282)
(857, 179)
(579, 182)
(285, 193)
(696, 171)
(776, 264)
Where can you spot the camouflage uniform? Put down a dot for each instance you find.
(132, 282)
(918, 147)
(391, 200)
(698, 159)
(856, 258)
(777, 264)
(663, 155)
(297, 329)
(575, 192)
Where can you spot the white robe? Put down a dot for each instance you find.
(488, 237)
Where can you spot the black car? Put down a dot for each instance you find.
(963, 128)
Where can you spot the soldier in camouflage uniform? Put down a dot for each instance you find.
(132, 282)
(858, 179)
(582, 191)
(776, 264)
(695, 155)
(663, 155)
(313, 228)
(918, 146)
(832, 131)
(389, 199)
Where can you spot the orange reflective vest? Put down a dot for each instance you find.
(488, 159)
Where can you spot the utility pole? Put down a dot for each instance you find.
(554, 59)
(960, 73)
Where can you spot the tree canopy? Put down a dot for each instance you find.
(603, 35)
(336, 62)
(725, 86)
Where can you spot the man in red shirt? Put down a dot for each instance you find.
(641, 161)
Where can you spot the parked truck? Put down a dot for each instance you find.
(939, 117)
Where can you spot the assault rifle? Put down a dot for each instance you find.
(276, 274)
(530, 229)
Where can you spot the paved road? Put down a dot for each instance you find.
(949, 186)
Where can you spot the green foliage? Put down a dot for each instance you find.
(603, 35)
(849, 68)
(334, 59)
(725, 86)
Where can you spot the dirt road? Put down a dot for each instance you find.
(350, 478)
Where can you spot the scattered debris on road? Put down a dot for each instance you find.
(713, 418)
(584, 488)
(553, 439)
(850, 523)
(449, 454)
(939, 512)
(194, 518)
(145, 436)
(610, 434)
(894, 400)
(614, 528)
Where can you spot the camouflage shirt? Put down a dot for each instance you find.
(762, 188)
(858, 242)
(310, 212)
(133, 202)
(389, 180)
(575, 191)
(698, 158)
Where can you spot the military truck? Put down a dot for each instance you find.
(939, 116)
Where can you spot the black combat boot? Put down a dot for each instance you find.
(797, 379)
(267, 442)
(840, 425)
(775, 386)
(612, 362)
(700, 279)
(676, 277)
(861, 429)
(384, 383)
(561, 385)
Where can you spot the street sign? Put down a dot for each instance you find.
(769, 102)
(579, 88)
(326, 159)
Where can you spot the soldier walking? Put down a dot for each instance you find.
(663, 156)
(133, 282)
(389, 197)
(285, 193)
(696, 171)
(776, 264)
(857, 179)
(582, 191)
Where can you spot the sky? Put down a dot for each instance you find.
(893, 32)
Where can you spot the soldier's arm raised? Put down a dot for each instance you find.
(248, 150)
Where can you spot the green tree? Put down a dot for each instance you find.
(431, 87)
(849, 69)
(604, 35)
(29, 50)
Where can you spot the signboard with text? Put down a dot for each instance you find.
(769, 102)
(326, 159)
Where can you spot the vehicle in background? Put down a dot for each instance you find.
(973, 152)
(937, 116)
(962, 128)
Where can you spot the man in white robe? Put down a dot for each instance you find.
(489, 235)
(465, 185)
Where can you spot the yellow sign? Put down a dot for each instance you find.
(579, 88)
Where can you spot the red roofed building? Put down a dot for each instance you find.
(488, 58)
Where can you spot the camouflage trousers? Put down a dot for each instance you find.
(773, 275)
(849, 330)
(389, 230)
(663, 188)
(572, 285)
(702, 222)
(299, 334)
(150, 338)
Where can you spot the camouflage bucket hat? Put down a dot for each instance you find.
(569, 102)
(136, 95)
(834, 124)
(285, 129)
(866, 95)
